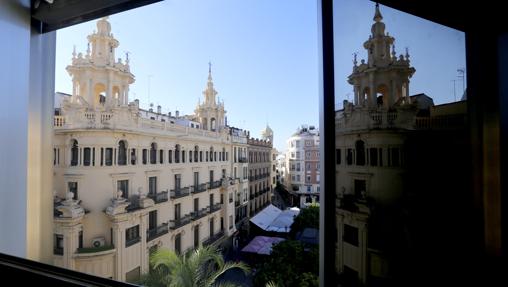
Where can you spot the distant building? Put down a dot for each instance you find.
(302, 166)
(386, 139)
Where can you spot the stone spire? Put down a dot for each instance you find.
(103, 44)
(210, 92)
(210, 113)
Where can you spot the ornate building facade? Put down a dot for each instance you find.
(128, 180)
(380, 140)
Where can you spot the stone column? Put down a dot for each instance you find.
(119, 242)
(143, 249)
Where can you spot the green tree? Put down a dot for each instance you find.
(307, 218)
(201, 268)
(289, 265)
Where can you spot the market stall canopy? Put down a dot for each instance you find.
(262, 245)
(273, 219)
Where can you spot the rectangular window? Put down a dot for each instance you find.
(373, 156)
(73, 187)
(87, 156)
(231, 222)
(132, 236)
(190, 156)
(297, 177)
(152, 185)
(196, 179)
(80, 239)
(178, 243)
(177, 211)
(58, 245)
(170, 156)
(380, 156)
(307, 179)
(350, 234)
(297, 155)
(206, 156)
(200, 156)
(161, 156)
(337, 156)
(196, 204)
(109, 156)
(145, 155)
(211, 176)
(349, 156)
(133, 156)
(234, 172)
(183, 156)
(297, 166)
(196, 236)
(152, 219)
(123, 186)
(178, 181)
(360, 186)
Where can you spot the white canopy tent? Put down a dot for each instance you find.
(273, 219)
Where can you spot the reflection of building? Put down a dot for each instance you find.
(129, 180)
(385, 140)
(302, 165)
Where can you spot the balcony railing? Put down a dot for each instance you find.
(57, 251)
(195, 215)
(178, 193)
(159, 197)
(94, 249)
(215, 184)
(237, 203)
(199, 188)
(156, 232)
(215, 207)
(242, 159)
(132, 241)
(177, 223)
(214, 238)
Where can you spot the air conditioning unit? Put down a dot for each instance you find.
(98, 242)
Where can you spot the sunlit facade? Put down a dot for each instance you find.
(129, 180)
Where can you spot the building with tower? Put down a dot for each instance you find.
(385, 140)
(129, 180)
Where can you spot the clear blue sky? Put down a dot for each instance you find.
(264, 56)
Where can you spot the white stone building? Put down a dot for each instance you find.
(129, 180)
(302, 165)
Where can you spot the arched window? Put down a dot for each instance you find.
(74, 153)
(360, 152)
(190, 156)
(223, 154)
(200, 156)
(170, 156)
(196, 151)
(122, 153)
(177, 153)
(213, 124)
(211, 153)
(153, 153)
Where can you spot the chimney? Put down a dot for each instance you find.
(177, 114)
(137, 102)
(169, 114)
(159, 108)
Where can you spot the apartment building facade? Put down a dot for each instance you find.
(128, 181)
(302, 165)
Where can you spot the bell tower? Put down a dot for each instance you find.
(383, 81)
(211, 113)
(100, 82)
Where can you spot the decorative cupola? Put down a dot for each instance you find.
(383, 81)
(210, 113)
(100, 82)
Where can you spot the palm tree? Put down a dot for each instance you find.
(201, 268)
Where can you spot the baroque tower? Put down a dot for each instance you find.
(98, 80)
(211, 113)
(383, 81)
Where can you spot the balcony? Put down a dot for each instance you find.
(215, 184)
(198, 188)
(89, 250)
(156, 232)
(177, 223)
(159, 197)
(195, 215)
(57, 251)
(237, 203)
(251, 197)
(215, 207)
(213, 238)
(242, 159)
(180, 192)
(130, 242)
